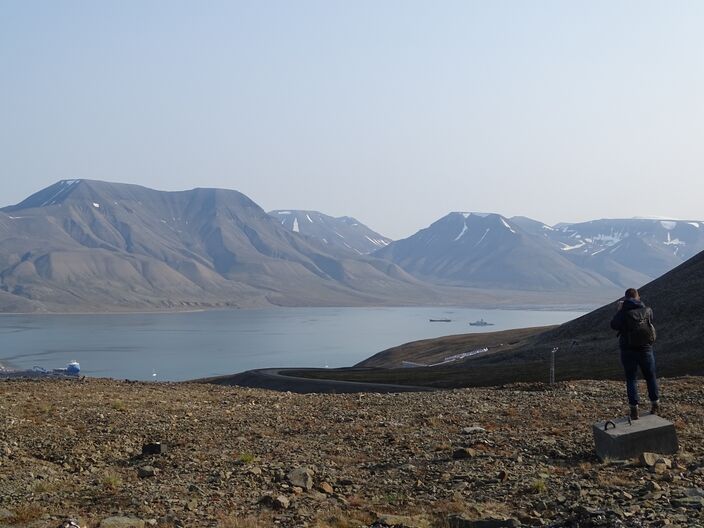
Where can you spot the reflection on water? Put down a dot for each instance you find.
(191, 345)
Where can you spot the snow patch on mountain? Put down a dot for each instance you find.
(376, 242)
(611, 239)
(668, 224)
(295, 226)
(655, 218)
(507, 226)
(480, 215)
(464, 230)
(673, 241)
(570, 248)
(483, 236)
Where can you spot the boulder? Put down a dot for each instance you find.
(403, 521)
(475, 429)
(462, 521)
(648, 459)
(694, 492)
(696, 503)
(146, 472)
(463, 452)
(280, 502)
(301, 477)
(122, 522)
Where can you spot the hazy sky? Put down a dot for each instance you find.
(395, 112)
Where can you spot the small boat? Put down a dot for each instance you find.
(440, 320)
(481, 322)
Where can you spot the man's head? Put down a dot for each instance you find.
(632, 293)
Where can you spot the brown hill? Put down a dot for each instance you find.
(88, 245)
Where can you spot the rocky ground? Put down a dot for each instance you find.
(512, 456)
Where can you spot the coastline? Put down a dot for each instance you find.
(512, 307)
(137, 312)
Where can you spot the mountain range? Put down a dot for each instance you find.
(490, 250)
(86, 245)
(83, 245)
(345, 232)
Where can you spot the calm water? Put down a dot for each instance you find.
(192, 345)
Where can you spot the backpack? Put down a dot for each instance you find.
(639, 330)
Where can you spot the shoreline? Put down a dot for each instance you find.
(513, 307)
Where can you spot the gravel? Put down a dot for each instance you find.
(517, 455)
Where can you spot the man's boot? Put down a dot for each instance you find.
(655, 407)
(634, 412)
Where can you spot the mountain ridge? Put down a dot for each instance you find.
(344, 232)
(87, 244)
(469, 248)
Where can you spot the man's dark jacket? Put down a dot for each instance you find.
(619, 323)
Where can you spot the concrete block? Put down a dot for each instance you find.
(621, 439)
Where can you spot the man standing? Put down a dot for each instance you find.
(636, 335)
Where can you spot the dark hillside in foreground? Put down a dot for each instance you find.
(677, 301)
(588, 348)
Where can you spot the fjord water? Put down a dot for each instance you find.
(182, 346)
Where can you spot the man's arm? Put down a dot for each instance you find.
(617, 320)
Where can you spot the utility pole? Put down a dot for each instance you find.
(552, 365)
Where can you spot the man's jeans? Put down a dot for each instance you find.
(645, 359)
